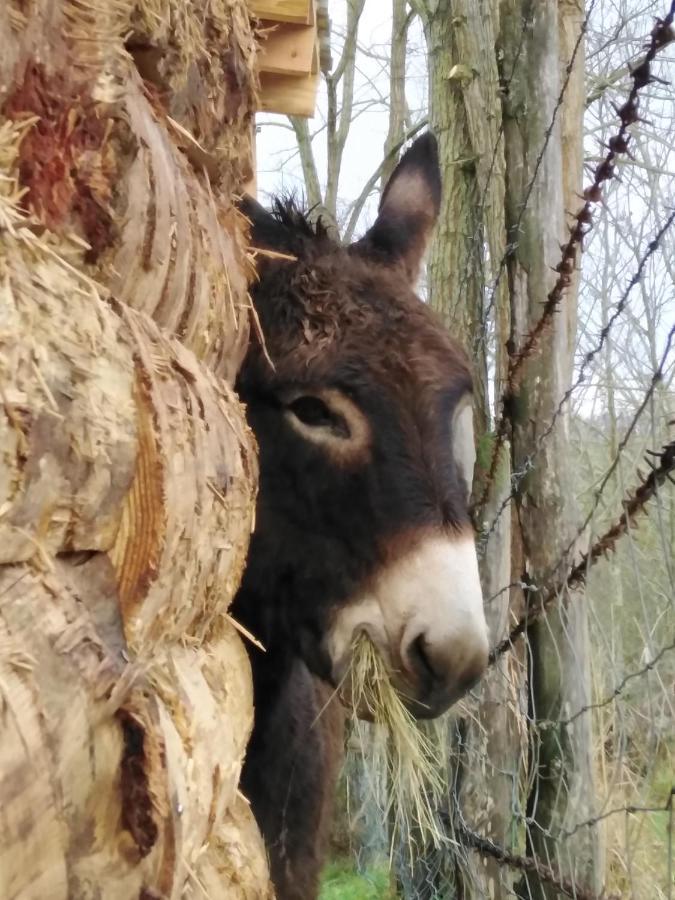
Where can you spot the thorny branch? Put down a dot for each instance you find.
(661, 35)
(604, 544)
(526, 864)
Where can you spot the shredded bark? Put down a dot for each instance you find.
(65, 161)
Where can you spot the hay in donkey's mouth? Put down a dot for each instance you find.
(415, 759)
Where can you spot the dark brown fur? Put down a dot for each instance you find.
(345, 318)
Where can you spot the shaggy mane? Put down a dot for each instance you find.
(292, 215)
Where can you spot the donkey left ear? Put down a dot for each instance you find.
(408, 209)
(266, 230)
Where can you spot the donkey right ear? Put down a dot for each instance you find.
(408, 209)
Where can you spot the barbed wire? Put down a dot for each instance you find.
(527, 864)
(614, 695)
(633, 505)
(546, 872)
(511, 748)
(632, 809)
(656, 378)
(618, 145)
(528, 464)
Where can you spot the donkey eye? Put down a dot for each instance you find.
(311, 411)
(331, 419)
(316, 413)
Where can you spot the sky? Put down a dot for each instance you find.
(278, 165)
(279, 168)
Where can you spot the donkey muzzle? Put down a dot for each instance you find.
(424, 613)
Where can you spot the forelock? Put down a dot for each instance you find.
(329, 305)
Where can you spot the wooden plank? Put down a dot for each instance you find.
(287, 49)
(299, 11)
(291, 95)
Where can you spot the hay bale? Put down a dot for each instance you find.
(127, 472)
(142, 170)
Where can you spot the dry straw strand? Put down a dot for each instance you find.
(415, 759)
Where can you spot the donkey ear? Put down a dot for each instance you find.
(408, 209)
(267, 231)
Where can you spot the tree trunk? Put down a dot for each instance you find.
(127, 472)
(561, 771)
(531, 46)
(465, 113)
(457, 245)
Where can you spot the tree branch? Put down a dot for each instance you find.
(606, 81)
(397, 110)
(337, 131)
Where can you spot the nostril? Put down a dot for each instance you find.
(418, 655)
(447, 666)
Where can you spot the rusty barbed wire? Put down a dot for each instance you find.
(527, 864)
(656, 378)
(527, 464)
(633, 505)
(661, 35)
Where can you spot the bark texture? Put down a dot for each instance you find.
(127, 472)
(466, 114)
(560, 759)
(496, 70)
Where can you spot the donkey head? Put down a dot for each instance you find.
(361, 404)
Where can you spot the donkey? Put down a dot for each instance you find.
(361, 405)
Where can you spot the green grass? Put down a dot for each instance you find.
(341, 881)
